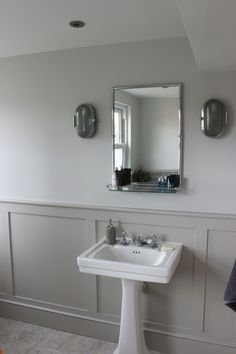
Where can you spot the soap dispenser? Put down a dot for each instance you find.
(110, 233)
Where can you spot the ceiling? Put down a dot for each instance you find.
(32, 26)
(29, 26)
(211, 27)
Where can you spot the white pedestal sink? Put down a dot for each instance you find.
(131, 339)
(133, 265)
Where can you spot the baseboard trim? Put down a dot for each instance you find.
(60, 321)
(108, 330)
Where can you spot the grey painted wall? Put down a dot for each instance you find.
(41, 283)
(42, 158)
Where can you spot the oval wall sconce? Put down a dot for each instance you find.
(85, 120)
(214, 118)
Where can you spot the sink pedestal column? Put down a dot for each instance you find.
(131, 339)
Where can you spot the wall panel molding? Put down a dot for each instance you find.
(189, 307)
(43, 251)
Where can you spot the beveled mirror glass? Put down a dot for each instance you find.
(147, 135)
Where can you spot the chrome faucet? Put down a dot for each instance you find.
(138, 241)
(124, 241)
(152, 241)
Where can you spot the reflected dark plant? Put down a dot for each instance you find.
(140, 175)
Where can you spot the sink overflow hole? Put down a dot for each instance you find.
(136, 252)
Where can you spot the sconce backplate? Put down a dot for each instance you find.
(213, 118)
(85, 120)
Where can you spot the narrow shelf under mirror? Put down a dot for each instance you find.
(142, 187)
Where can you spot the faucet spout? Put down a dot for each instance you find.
(152, 241)
(155, 241)
(124, 241)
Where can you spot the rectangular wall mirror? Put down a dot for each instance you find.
(147, 138)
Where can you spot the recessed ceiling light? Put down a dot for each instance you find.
(76, 24)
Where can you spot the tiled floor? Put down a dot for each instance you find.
(23, 338)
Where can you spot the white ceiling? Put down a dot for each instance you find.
(32, 26)
(211, 28)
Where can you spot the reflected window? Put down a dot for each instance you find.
(121, 124)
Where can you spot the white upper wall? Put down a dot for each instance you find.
(43, 159)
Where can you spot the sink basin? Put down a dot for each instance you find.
(132, 265)
(131, 262)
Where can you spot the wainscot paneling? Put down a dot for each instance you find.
(44, 250)
(41, 283)
(219, 320)
(2, 263)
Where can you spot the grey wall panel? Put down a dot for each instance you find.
(172, 304)
(44, 252)
(40, 261)
(108, 289)
(164, 303)
(220, 321)
(2, 264)
(178, 345)
(109, 293)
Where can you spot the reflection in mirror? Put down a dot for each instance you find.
(147, 138)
